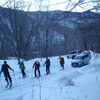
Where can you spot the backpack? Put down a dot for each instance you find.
(47, 62)
(36, 64)
(22, 66)
(62, 60)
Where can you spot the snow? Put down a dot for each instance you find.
(69, 84)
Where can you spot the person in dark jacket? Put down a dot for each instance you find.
(22, 68)
(47, 63)
(5, 69)
(36, 65)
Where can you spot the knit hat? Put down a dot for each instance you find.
(5, 62)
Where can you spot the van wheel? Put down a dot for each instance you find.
(82, 63)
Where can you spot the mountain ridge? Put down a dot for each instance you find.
(55, 32)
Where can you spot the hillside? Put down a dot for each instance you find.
(70, 84)
(40, 34)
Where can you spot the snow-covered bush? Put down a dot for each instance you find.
(66, 82)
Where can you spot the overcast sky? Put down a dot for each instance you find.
(54, 5)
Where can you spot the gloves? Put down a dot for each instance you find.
(13, 70)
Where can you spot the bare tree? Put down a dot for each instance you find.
(19, 28)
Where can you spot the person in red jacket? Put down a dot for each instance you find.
(61, 60)
(36, 65)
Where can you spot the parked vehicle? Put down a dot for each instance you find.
(81, 60)
(72, 54)
(87, 52)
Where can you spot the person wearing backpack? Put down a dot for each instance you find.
(36, 65)
(47, 63)
(61, 60)
(22, 68)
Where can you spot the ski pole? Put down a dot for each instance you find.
(1, 81)
(32, 72)
(14, 77)
(1, 78)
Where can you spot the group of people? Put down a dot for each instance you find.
(36, 65)
(5, 69)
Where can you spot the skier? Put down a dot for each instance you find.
(61, 60)
(36, 65)
(6, 73)
(47, 63)
(22, 68)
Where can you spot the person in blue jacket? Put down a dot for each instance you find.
(47, 63)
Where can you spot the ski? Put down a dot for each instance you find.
(48, 74)
(35, 77)
(8, 86)
(38, 77)
(22, 78)
(61, 69)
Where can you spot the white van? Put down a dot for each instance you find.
(81, 60)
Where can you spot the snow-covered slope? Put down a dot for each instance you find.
(68, 84)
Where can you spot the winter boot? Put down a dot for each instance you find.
(7, 85)
(10, 86)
